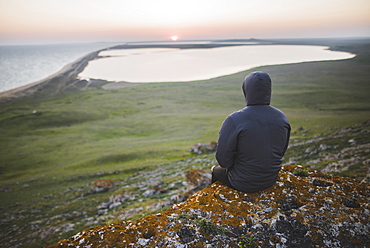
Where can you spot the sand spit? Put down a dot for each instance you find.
(66, 80)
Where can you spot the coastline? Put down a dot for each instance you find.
(185, 65)
(66, 80)
(55, 147)
(53, 84)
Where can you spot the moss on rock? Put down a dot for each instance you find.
(295, 212)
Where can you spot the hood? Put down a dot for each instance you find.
(257, 88)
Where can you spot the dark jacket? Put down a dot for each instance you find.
(253, 140)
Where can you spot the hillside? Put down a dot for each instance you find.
(112, 196)
(303, 209)
(75, 155)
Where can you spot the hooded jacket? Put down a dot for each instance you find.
(253, 140)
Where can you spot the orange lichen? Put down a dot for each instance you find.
(196, 177)
(102, 185)
(294, 206)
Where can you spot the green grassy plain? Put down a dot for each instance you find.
(53, 143)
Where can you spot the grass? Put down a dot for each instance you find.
(54, 143)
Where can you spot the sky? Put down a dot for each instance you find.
(60, 21)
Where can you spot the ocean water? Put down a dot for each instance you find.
(22, 65)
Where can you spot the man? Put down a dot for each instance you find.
(253, 140)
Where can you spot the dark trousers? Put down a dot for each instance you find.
(220, 174)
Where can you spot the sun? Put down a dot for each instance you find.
(174, 38)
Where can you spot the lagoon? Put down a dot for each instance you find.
(147, 65)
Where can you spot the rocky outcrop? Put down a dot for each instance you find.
(344, 151)
(102, 185)
(303, 209)
(201, 148)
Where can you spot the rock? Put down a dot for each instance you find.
(119, 198)
(199, 179)
(103, 205)
(295, 212)
(351, 203)
(114, 201)
(292, 228)
(74, 215)
(321, 183)
(289, 203)
(310, 150)
(102, 185)
(154, 191)
(185, 234)
(300, 129)
(115, 204)
(7, 189)
(66, 227)
(352, 142)
(195, 180)
(201, 148)
(324, 147)
(143, 242)
(102, 211)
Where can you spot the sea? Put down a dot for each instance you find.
(21, 65)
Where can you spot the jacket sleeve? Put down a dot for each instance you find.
(287, 139)
(227, 144)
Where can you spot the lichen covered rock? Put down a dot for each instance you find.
(316, 210)
(102, 185)
(198, 179)
(201, 148)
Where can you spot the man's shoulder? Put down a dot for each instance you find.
(277, 110)
(238, 113)
(256, 112)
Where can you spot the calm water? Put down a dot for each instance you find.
(22, 65)
(164, 65)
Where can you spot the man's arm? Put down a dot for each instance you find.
(287, 139)
(227, 143)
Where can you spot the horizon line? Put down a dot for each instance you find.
(185, 40)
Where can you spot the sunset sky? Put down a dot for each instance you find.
(51, 21)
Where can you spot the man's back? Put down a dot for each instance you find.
(261, 133)
(253, 140)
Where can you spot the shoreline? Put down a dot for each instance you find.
(53, 84)
(179, 65)
(67, 77)
(66, 80)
